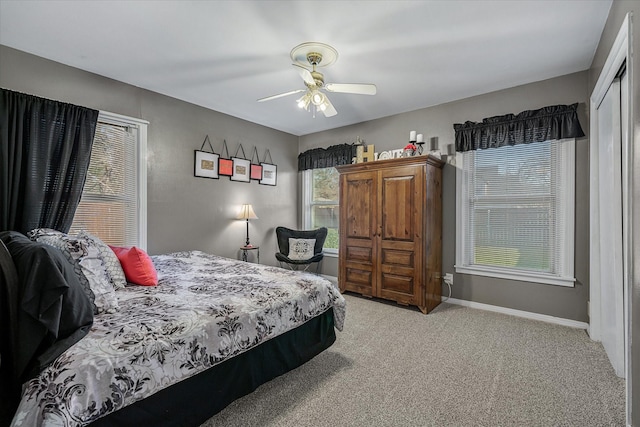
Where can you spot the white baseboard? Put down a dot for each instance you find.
(519, 313)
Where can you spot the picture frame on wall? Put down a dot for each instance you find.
(269, 174)
(256, 172)
(241, 169)
(206, 164)
(256, 168)
(225, 167)
(225, 164)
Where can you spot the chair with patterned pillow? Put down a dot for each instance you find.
(300, 248)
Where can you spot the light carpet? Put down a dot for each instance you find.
(457, 366)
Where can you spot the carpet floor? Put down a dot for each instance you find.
(457, 366)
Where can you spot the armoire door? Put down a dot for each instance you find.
(357, 232)
(399, 235)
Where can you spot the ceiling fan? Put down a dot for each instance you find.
(314, 99)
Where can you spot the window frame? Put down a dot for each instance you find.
(566, 248)
(307, 204)
(141, 168)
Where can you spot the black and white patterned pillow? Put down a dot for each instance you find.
(110, 260)
(301, 249)
(39, 232)
(44, 233)
(85, 252)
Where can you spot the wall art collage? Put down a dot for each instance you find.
(209, 164)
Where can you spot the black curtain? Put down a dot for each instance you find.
(318, 158)
(45, 148)
(553, 122)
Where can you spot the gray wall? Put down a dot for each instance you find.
(393, 132)
(184, 212)
(196, 213)
(616, 15)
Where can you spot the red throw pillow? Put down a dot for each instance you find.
(137, 265)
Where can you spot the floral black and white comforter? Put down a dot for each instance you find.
(204, 310)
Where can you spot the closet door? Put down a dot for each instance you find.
(399, 273)
(610, 224)
(358, 232)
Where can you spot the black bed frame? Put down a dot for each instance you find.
(194, 400)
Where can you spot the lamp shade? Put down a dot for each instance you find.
(246, 212)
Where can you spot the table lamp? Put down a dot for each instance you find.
(247, 213)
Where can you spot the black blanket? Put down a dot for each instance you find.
(44, 312)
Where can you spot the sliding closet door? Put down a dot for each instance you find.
(610, 224)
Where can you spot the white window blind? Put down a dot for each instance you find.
(113, 204)
(515, 212)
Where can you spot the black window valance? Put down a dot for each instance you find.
(335, 155)
(553, 122)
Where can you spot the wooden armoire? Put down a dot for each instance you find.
(391, 230)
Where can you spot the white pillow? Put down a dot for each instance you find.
(301, 249)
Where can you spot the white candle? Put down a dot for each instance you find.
(420, 138)
(412, 135)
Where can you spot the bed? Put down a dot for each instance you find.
(212, 330)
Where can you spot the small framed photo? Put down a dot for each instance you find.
(256, 171)
(225, 167)
(206, 164)
(269, 174)
(241, 169)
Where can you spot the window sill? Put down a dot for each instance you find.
(330, 254)
(545, 279)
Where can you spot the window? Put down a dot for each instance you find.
(113, 203)
(320, 203)
(515, 212)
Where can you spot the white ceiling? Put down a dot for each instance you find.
(224, 55)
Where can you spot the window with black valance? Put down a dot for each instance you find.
(334, 155)
(544, 124)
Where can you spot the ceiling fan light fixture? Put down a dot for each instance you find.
(317, 98)
(303, 102)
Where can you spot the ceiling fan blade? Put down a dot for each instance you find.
(305, 74)
(359, 88)
(269, 98)
(330, 110)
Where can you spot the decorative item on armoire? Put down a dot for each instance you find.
(269, 171)
(365, 153)
(206, 163)
(256, 168)
(419, 144)
(417, 141)
(435, 151)
(225, 164)
(409, 150)
(241, 166)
